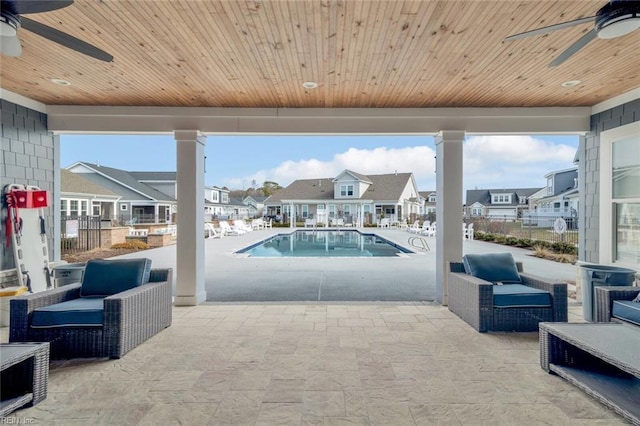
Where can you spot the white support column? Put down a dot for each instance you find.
(190, 289)
(448, 206)
(292, 215)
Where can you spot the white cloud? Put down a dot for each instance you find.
(512, 161)
(489, 162)
(418, 159)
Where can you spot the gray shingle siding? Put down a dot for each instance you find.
(589, 175)
(28, 158)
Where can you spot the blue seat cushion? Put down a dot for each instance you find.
(518, 295)
(626, 310)
(84, 311)
(108, 277)
(492, 267)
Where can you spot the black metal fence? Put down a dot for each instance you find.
(81, 233)
(535, 228)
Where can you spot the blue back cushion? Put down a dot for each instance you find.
(627, 310)
(108, 277)
(492, 267)
(518, 295)
(81, 312)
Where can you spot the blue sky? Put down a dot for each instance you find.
(236, 161)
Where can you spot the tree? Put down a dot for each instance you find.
(269, 187)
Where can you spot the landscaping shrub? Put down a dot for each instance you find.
(132, 245)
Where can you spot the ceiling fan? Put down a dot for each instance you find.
(11, 20)
(614, 19)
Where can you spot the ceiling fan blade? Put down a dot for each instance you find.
(10, 45)
(582, 42)
(39, 6)
(65, 39)
(550, 28)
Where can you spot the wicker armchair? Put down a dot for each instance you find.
(606, 295)
(471, 299)
(130, 317)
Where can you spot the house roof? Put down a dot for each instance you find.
(125, 178)
(483, 196)
(384, 187)
(154, 176)
(76, 184)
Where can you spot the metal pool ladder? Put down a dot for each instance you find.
(419, 243)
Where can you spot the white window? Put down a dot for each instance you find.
(320, 208)
(225, 197)
(347, 209)
(367, 208)
(625, 188)
(550, 186)
(432, 198)
(84, 207)
(215, 197)
(346, 190)
(124, 207)
(620, 195)
(332, 210)
(476, 211)
(63, 208)
(305, 210)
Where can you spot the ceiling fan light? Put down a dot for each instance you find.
(8, 26)
(620, 28)
(10, 46)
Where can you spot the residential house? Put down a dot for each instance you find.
(216, 200)
(257, 202)
(81, 197)
(558, 199)
(350, 196)
(498, 204)
(144, 196)
(427, 204)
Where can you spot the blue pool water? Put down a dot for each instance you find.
(321, 243)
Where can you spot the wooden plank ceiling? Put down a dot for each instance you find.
(361, 53)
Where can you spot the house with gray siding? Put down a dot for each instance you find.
(499, 203)
(144, 196)
(350, 196)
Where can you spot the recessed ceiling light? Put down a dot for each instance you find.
(309, 84)
(571, 83)
(60, 82)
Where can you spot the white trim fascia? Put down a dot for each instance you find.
(629, 96)
(22, 101)
(305, 121)
(555, 172)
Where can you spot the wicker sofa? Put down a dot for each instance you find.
(110, 327)
(473, 300)
(615, 304)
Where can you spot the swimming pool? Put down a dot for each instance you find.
(324, 243)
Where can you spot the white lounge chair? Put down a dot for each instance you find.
(241, 225)
(211, 232)
(430, 231)
(415, 227)
(468, 233)
(229, 230)
(310, 223)
(384, 223)
(257, 224)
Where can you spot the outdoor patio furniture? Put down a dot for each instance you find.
(25, 374)
(119, 304)
(616, 303)
(491, 293)
(599, 358)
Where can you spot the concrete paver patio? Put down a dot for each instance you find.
(320, 363)
(317, 364)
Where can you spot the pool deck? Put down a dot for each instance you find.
(231, 277)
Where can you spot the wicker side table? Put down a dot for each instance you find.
(602, 359)
(25, 374)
